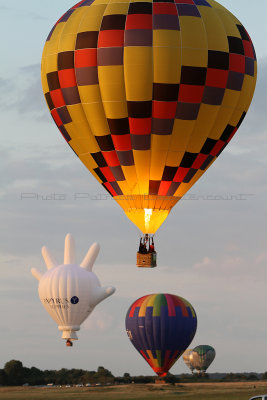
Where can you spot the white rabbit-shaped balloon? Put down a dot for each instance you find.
(70, 292)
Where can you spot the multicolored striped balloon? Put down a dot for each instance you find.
(148, 94)
(161, 327)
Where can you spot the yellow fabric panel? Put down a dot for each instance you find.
(90, 94)
(138, 72)
(160, 142)
(111, 83)
(101, 2)
(124, 186)
(111, 78)
(142, 165)
(73, 130)
(131, 177)
(193, 32)
(92, 18)
(51, 64)
(77, 114)
(231, 98)
(174, 158)
(121, 1)
(237, 114)
(51, 47)
(247, 93)
(195, 57)
(204, 124)
(217, 40)
(229, 23)
(116, 109)
(157, 164)
(67, 43)
(88, 161)
(71, 27)
(44, 83)
(96, 116)
(167, 62)
(221, 122)
(81, 145)
(181, 134)
(166, 38)
(118, 8)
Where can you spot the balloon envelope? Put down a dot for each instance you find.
(161, 327)
(187, 360)
(148, 95)
(201, 357)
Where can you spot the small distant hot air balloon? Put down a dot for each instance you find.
(201, 357)
(187, 359)
(161, 327)
(148, 94)
(69, 292)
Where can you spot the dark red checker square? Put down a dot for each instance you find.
(180, 174)
(57, 98)
(164, 109)
(122, 142)
(248, 48)
(199, 161)
(111, 38)
(111, 158)
(164, 187)
(85, 58)
(140, 126)
(139, 21)
(56, 117)
(67, 78)
(107, 174)
(232, 135)
(191, 93)
(184, 2)
(216, 78)
(216, 149)
(164, 8)
(110, 188)
(237, 63)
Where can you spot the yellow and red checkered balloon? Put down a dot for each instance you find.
(148, 94)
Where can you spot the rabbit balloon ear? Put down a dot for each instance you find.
(90, 257)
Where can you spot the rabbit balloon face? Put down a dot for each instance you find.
(69, 292)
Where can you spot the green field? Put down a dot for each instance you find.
(204, 391)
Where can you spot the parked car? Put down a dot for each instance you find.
(261, 397)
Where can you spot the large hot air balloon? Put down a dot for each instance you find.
(161, 327)
(69, 292)
(187, 359)
(148, 94)
(201, 357)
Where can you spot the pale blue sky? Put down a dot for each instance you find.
(211, 252)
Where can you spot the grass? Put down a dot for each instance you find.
(197, 391)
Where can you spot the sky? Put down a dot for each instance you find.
(212, 250)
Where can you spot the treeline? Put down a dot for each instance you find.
(15, 374)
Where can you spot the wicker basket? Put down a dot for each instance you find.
(148, 260)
